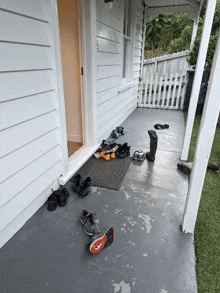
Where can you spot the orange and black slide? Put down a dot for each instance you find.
(98, 242)
(105, 156)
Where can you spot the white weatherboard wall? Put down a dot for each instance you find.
(31, 157)
(113, 105)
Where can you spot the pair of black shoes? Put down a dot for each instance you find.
(82, 188)
(123, 151)
(58, 198)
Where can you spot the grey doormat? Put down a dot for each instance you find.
(106, 174)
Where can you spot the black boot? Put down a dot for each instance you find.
(153, 145)
(76, 182)
(213, 166)
(85, 187)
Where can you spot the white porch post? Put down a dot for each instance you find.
(144, 32)
(198, 76)
(195, 26)
(204, 145)
(194, 32)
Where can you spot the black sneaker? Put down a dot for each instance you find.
(99, 241)
(64, 191)
(123, 151)
(61, 198)
(120, 130)
(52, 203)
(76, 182)
(85, 187)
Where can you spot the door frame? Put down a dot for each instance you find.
(87, 35)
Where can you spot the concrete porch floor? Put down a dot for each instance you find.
(150, 254)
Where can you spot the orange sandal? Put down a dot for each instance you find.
(105, 156)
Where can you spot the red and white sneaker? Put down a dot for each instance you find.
(99, 241)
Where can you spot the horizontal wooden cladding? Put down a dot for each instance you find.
(110, 20)
(137, 60)
(108, 46)
(24, 83)
(137, 67)
(139, 37)
(117, 10)
(15, 28)
(107, 58)
(26, 214)
(104, 119)
(20, 110)
(139, 14)
(138, 45)
(28, 195)
(128, 105)
(106, 32)
(31, 8)
(19, 181)
(107, 71)
(22, 157)
(126, 112)
(136, 74)
(15, 57)
(138, 29)
(105, 84)
(109, 104)
(107, 95)
(15, 137)
(137, 52)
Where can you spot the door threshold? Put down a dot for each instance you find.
(77, 160)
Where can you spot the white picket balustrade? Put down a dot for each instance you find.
(163, 92)
(163, 83)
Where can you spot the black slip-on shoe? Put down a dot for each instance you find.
(64, 191)
(52, 203)
(213, 166)
(61, 198)
(124, 153)
(186, 169)
(76, 182)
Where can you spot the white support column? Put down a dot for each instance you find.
(194, 32)
(204, 145)
(144, 32)
(210, 10)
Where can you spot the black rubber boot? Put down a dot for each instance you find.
(213, 166)
(153, 146)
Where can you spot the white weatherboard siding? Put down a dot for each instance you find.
(113, 107)
(31, 157)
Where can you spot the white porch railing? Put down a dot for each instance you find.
(163, 83)
(163, 92)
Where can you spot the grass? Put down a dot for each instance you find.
(207, 230)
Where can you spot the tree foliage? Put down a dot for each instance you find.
(212, 41)
(173, 32)
(162, 30)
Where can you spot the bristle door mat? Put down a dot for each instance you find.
(105, 174)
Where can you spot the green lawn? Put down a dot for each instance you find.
(207, 230)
